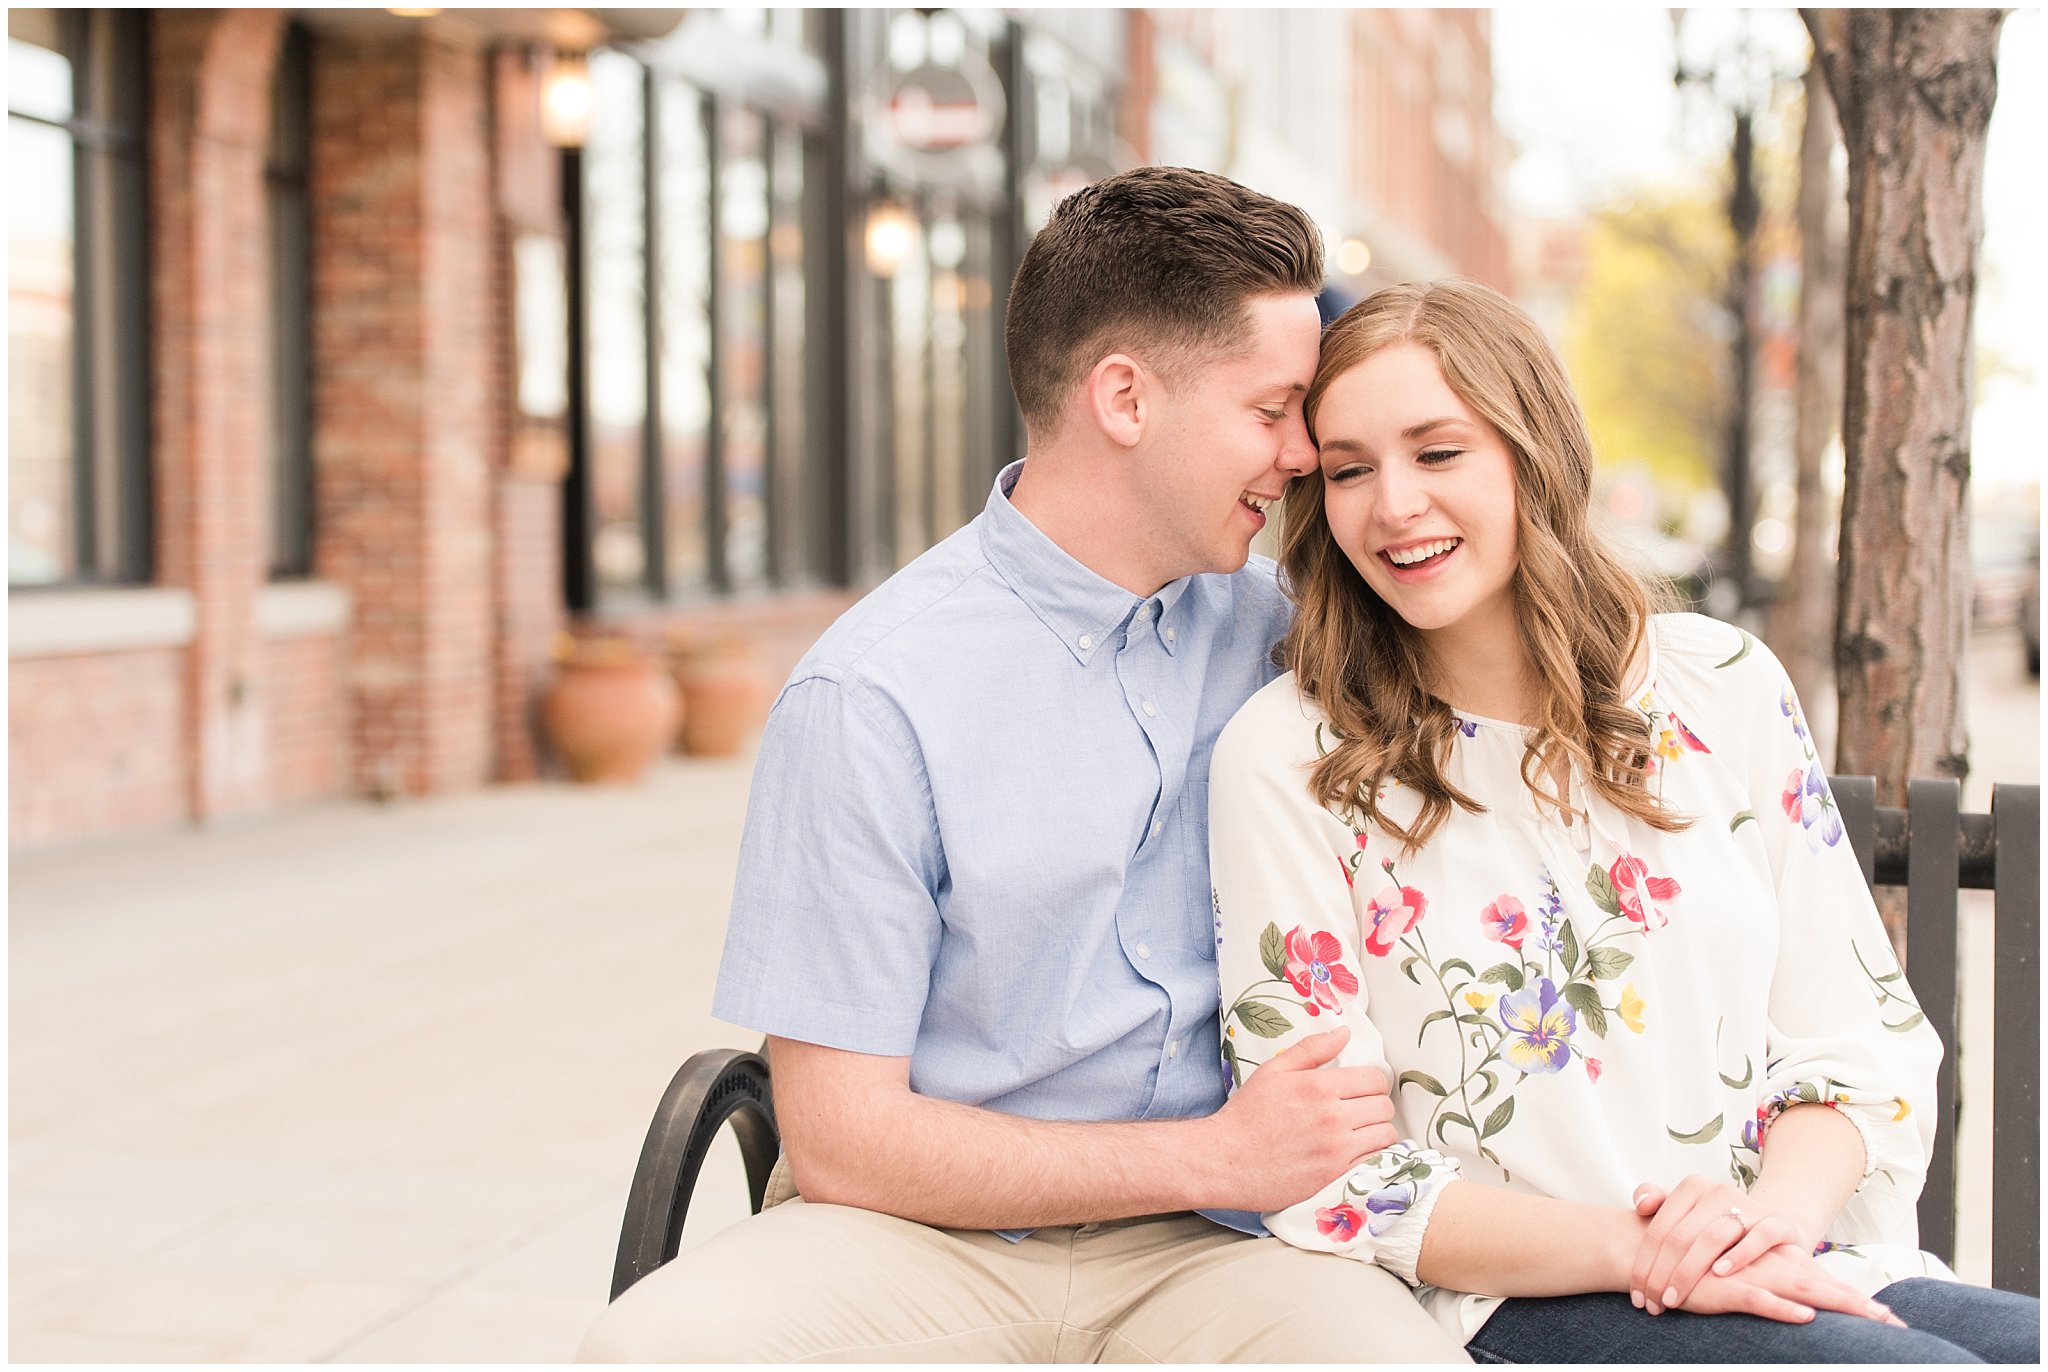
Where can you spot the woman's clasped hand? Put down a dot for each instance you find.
(1740, 1257)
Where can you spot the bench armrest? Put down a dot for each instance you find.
(717, 1085)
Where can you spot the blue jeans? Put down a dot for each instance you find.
(1950, 1322)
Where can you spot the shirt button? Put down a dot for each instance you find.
(1169, 635)
(1144, 950)
(1087, 642)
(1146, 706)
(1145, 611)
(1173, 1048)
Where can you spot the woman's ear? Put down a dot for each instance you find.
(1118, 392)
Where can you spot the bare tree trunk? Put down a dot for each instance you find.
(1803, 620)
(1914, 88)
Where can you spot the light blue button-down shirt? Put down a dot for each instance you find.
(978, 832)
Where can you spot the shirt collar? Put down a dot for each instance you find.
(1082, 608)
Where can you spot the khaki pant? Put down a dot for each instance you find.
(829, 1283)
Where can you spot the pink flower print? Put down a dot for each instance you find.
(1795, 786)
(1593, 1069)
(1504, 921)
(1641, 895)
(1393, 912)
(1345, 868)
(1341, 1222)
(1313, 970)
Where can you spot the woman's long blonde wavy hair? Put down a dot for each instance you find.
(1582, 614)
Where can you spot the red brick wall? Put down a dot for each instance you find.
(96, 745)
(210, 123)
(527, 567)
(403, 397)
(305, 689)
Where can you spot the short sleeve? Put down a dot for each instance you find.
(1844, 1028)
(1288, 956)
(835, 924)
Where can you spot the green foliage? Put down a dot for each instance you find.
(1646, 341)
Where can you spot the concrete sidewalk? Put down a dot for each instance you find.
(359, 1083)
(367, 1084)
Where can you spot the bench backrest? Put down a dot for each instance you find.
(1935, 851)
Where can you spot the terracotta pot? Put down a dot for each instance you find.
(609, 715)
(725, 698)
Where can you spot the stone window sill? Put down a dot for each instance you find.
(63, 623)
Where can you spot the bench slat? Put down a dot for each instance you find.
(2016, 1048)
(1933, 864)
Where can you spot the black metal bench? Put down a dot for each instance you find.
(1930, 848)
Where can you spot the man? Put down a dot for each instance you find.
(972, 910)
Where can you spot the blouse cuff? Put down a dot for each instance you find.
(1849, 1108)
(1401, 1251)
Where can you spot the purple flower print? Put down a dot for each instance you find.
(1806, 799)
(1788, 705)
(1384, 1207)
(1540, 1027)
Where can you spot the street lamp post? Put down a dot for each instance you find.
(1743, 83)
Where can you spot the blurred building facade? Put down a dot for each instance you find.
(356, 355)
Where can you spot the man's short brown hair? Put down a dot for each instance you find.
(1159, 262)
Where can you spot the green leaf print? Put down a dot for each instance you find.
(1230, 1061)
(1602, 889)
(1568, 949)
(1408, 967)
(1262, 1020)
(1498, 1120)
(1748, 1075)
(1583, 998)
(1273, 951)
(1605, 964)
(1746, 817)
(1505, 972)
(1449, 963)
(1706, 1133)
(1427, 1020)
(1909, 1023)
(1740, 653)
(1423, 1080)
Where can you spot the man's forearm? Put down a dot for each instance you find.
(962, 1167)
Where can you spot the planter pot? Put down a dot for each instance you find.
(609, 716)
(725, 693)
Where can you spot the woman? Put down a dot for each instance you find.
(1570, 873)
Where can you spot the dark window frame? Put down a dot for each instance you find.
(288, 210)
(112, 535)
(806, 554)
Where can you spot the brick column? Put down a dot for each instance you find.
(526, 180)
(210, 120)
(405, 394)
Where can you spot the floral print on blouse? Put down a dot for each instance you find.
(1571, 1011)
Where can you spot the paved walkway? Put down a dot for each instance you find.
(359, 1083)
(366, 1084)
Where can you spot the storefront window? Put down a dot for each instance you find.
(683, 191)
(743, 220)
(616, 263)
(77, 323)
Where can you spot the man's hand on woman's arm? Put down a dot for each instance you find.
(856, 1134)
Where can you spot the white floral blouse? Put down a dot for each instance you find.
(1572, 1020)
